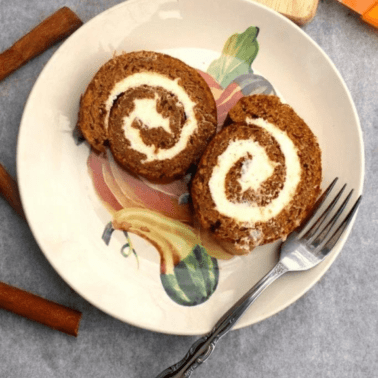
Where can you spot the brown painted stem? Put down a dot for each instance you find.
(50, 31)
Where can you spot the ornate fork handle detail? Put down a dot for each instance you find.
(201, 350)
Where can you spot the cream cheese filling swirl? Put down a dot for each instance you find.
(145, 110)
(254, 172)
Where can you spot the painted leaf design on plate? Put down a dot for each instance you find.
(238, 53)
(230, 77)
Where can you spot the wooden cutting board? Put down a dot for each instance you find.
(299, 11)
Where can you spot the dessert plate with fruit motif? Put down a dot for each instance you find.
(132, 247)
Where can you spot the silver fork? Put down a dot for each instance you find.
(302, 250)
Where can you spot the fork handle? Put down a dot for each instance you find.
(201, 350)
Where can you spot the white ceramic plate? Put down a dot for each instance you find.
(67, 217)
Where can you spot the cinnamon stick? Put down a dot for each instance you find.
(9, 190)
(50, 31)
(33, 307)
(23, 303)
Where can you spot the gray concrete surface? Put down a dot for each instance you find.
(330, 332)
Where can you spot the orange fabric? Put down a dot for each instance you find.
(371, 16)
(360, 6)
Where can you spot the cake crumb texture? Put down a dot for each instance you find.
(103, 125)
(245, 122)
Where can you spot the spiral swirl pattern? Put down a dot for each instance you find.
(259, 177)
(256, 172)
(156, 113)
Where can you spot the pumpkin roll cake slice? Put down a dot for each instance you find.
(259, 177)
(156, 113)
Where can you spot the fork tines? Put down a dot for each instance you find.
(317, 240)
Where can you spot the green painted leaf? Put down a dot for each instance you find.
(238, 53)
